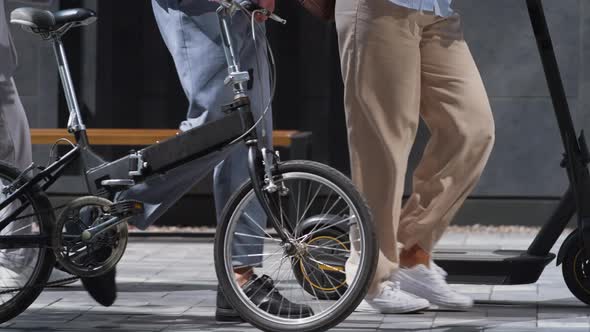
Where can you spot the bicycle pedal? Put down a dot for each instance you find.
(118, 183)
(127, 208)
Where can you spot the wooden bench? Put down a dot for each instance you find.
(297, 146)
(199, 198)
(299, 143)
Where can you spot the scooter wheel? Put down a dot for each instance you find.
(324, 281)
(576, 271)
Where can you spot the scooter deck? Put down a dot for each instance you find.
(493, 267)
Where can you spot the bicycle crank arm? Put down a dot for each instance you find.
(120, 212)
(90, 233)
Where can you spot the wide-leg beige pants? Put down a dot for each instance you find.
(399, 65)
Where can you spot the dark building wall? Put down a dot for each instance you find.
(526, 158)
(36, 78)
(309, 95)
(525, 161)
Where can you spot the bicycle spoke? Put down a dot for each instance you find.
(326, 202)
(6, 287)
(336, 243)
(254, 265)
(11, 217)
(10, 252)
(278, 282)
(256, 224)
(328, 277)
(12, 265)
(263, 284)
(19, 284)
(327, 227)
(298, 200)
(305, 297)
(310, 203)
(18, 230)
(312, 288)
(253, 255)
(326, 214)
(247, 245)
(329, 248)
(281, 212)
(257, 237)
(292, 200)
(307, 194)
(335, 268)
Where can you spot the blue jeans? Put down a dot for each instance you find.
(191, 31)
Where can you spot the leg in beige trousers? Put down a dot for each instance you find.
(399, 65)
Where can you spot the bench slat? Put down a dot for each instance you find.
(140, 137)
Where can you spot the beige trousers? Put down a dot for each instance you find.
(400, 65)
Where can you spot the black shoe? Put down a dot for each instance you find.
(224, 311)
(103, 289)
(263, 293)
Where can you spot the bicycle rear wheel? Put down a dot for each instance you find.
(329, 227)
(23, 271)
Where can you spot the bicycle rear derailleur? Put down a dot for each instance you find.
(90, 236)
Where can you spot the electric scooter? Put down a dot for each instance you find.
(511, 267)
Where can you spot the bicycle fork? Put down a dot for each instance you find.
(260, 161)
(260, 166)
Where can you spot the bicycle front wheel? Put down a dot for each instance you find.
(23, 270)
(317, 279)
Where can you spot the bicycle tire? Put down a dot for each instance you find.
(364, 275)
(45, 257)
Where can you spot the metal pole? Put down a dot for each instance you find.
(75, 122)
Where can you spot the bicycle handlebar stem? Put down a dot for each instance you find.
(235, 78)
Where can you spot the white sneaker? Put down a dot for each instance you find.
(393, 300)
(431, 285)
(438, 269)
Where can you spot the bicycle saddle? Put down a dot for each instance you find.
(43, 21)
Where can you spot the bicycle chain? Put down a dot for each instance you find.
(48, 284)
(40, 212)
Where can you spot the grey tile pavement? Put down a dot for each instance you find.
(169, 285)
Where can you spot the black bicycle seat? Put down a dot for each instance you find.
(42, 21)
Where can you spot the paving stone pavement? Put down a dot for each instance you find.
(169, 285)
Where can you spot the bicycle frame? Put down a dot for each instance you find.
(161, 157)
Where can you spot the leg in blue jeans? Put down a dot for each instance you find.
(190, 29)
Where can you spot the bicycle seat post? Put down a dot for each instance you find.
(75, 123)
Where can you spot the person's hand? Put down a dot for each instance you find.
(268, 5)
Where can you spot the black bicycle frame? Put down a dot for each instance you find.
(49, 175)
(155, 159)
